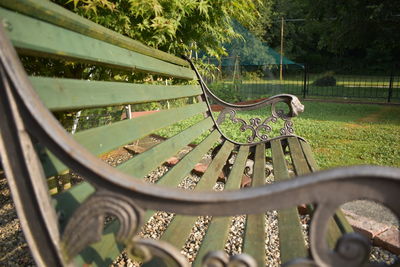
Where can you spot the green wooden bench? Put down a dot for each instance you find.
(70, 227)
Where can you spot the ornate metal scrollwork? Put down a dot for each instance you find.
(257, 126)
(86, 225)
(146, 249)
(352, 249)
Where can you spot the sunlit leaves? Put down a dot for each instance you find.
(171, 25)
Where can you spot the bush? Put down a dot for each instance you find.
(226, 92)
(327, 79)
(252, 75)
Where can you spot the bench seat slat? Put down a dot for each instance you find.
(308, 155)
(339, 217)
(70, 94)
(38, 38)
(218, 229)
(65, 204)
(107, 248)
(47, 11)
(254, 233)
(174, 176)
(297, 155)
(145, 162)
(98, 141)
(178, 230)
(301, 161)
(291, 238)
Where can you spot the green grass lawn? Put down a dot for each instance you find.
(340, 134)
(351, 134)
(373, 88)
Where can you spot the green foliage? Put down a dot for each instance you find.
(340, 35)
(252, 75)
(174, 26)
(226, 91)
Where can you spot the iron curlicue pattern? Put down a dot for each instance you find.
(259, 128)
(86, 225)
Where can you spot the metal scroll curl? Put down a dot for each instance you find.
(86, 225)
(145, 249)
(352, 249)
(260, 129)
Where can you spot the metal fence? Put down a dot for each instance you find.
(251, 82)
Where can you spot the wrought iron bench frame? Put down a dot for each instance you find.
(23, 117)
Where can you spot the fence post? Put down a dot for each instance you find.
(390, 85)
(305, 81)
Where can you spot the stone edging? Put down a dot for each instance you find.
(382, 235)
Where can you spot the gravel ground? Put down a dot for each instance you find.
(13, 249)
(15, 252)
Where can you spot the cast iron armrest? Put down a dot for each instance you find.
(260, 128)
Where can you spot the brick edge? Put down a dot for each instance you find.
(382, 235)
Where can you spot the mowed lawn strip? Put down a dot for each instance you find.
(339, 134)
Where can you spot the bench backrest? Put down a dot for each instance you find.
(50, 31)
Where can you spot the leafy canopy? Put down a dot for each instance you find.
(175, 26)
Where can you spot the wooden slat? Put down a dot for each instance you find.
(178, 230)
(339, 217)
(291, 240)
(54, 14)
(107, 248)
(38, 38)
(342, 222)
(218, 229)
(301, 161)
(174, 176)
(69, 94)
(67, 202)
(309, 156)
(105, 138)
(254, 234)
(297, 155)
(99, 253)
(145, 162)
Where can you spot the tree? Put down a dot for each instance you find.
(175, 26)
(354, 33)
